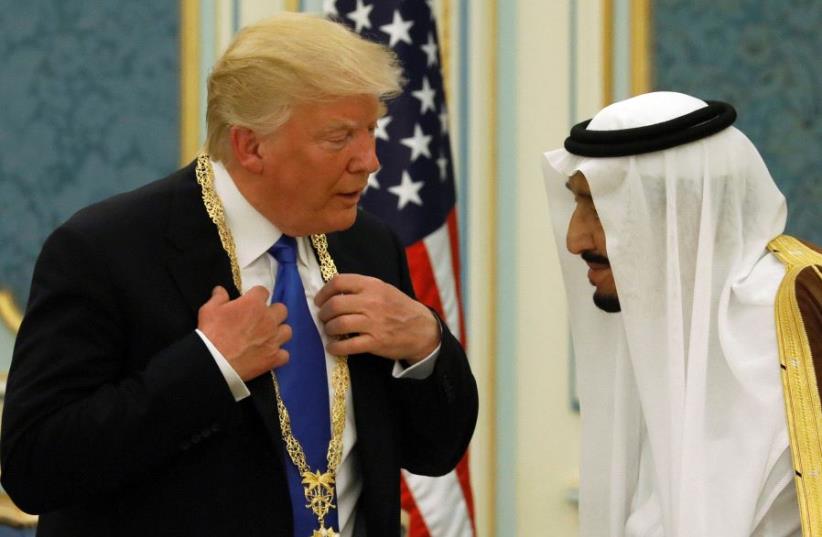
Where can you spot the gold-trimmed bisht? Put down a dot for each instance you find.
(802, 398)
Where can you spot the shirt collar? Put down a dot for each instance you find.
(253, 233)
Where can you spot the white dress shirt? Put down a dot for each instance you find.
(253, 236)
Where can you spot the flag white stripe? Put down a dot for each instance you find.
(441, 504)
(438, 245)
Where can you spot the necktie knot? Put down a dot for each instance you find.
(285, 250)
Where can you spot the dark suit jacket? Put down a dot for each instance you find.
(117, 421)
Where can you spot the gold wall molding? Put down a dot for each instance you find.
(607, 52)
(640, 53)
(189, 80)
(444, 27)
(10, 313)
(641, 66)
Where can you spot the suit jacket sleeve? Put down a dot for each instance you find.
(78, 422)
(437, 414)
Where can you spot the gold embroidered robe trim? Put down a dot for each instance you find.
(797, 308)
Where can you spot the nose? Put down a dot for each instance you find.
(365, 158)
(579, 237)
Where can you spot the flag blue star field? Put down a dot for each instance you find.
(414, 192)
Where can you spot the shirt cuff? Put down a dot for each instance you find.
(419, 371)
(238, 388)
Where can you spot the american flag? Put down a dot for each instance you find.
(414, 192)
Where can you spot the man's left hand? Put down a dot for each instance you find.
(378, 318)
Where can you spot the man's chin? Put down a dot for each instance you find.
(607, 302)
(346, 219)
(326, 223)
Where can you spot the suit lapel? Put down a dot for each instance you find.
(363, 369)
(342, 257)
(198, 263)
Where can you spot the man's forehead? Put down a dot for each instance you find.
(342, 114)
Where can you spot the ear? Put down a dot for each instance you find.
(245, 144)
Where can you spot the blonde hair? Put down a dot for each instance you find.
(287, 59)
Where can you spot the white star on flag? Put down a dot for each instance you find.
(442, 162)
(330, 7)
(407, 191)
(382, 123)
(418, 143)
(444, 120)
(398, 30)
(360, 16)
(430, 50)
(426, 96)
(372, 182)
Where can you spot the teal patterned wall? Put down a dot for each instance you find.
(762, 56)
(90, 98)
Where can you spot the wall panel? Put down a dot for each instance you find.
(91, 100)
(762, 56)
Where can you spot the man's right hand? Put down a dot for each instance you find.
(247, 331)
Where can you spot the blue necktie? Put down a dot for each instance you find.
(303, 384)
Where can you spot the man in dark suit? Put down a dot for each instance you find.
(141, 398)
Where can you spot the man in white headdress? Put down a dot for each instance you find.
(698, 301)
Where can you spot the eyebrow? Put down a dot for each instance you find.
(336, 127)
(340, 125)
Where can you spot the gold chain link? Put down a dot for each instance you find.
(214, 208)
(340, 380)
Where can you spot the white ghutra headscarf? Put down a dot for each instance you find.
(683, 421)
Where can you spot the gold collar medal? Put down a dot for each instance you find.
(318, 487)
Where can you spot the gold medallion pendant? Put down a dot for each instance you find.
(319, 493)
(318, 487)
(325, 532)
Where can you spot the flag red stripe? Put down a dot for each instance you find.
(416, 522)
(463, 473)
(464, 476)
(425, 287)
(422, 277)
(453, 235)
